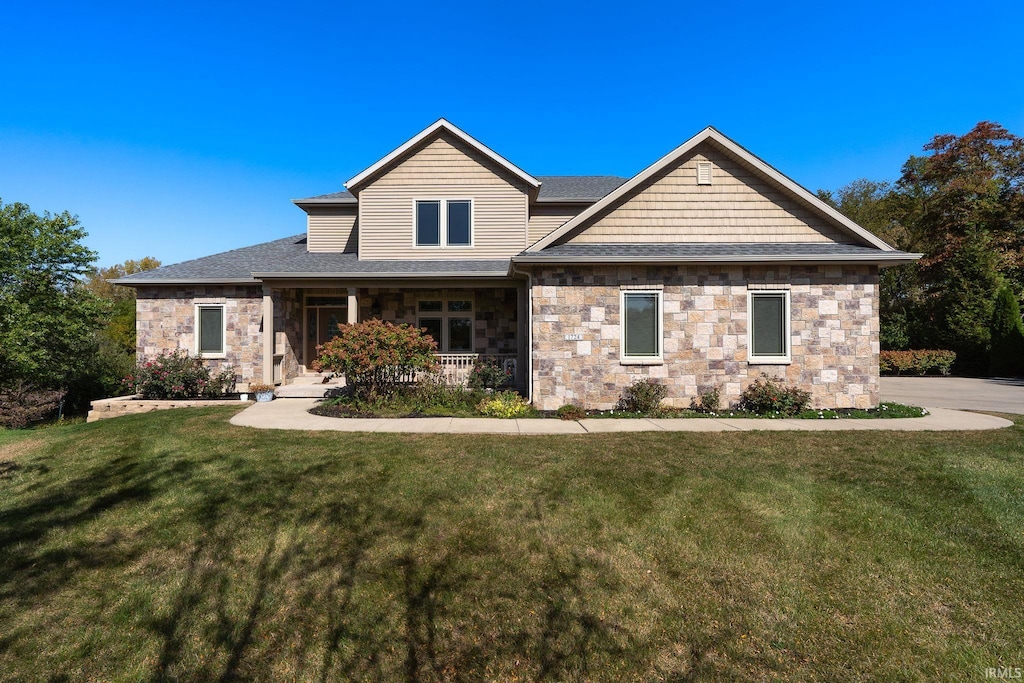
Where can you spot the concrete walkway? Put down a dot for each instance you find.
(994, 394)
(292, 413)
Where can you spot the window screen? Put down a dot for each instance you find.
(211, 329)
(642, 327)
(768, 320)
(428, 223)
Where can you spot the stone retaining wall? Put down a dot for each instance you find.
(129, 405)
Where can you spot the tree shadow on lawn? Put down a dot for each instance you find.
(258, 573)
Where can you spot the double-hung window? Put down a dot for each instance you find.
(768, 323)
(449, 322)
(444, 223)
(641, 342)
(210, 330)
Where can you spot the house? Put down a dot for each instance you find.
(706, 269)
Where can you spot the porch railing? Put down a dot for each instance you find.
(456, 366)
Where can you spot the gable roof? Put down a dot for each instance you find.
(670, 159)
(428, 133)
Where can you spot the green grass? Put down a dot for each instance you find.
(173, 546)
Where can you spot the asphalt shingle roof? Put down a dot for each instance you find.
(289, 256)
(553, 187)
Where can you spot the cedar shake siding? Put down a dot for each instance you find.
(738, 206)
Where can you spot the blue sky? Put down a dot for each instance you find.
(177, 130)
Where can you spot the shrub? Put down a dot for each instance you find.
(706, 401)
(1006, 359)
(178, 375)
(435, 391)
(487, 373)
(505, 404)
(23, 404)
(920, 362)
(376, 357)
(642, 396)
(571, 412)
(767, 396)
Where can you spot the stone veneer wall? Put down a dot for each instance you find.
(288, 330)
(494, 312)
(165, 321)
(834, 333)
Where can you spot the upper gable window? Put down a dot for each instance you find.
(444, 223)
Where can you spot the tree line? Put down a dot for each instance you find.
(961, 205)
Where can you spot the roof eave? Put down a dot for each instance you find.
(477, 274)
(895, 259)
(317, 201)
(135, 282)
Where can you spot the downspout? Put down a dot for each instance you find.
(529, 328)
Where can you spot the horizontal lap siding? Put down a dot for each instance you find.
(443, 169)
(544, 219)
(331, 229)
(738, 206)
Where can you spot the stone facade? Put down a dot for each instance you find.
(834, 332)
(494, 312)
(166, 321)
(288, 330)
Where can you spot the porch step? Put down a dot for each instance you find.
(308, 386)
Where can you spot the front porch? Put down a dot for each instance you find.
(467, 324)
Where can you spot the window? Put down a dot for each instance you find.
(641, 327)
(210, 330)
(449, 322)
(444, 223)
(768, 323)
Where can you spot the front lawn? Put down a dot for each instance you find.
(175, 546)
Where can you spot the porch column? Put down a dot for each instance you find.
(353, 306)
(268, 336)
(522, 338)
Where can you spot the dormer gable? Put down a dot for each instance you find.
(442, 195)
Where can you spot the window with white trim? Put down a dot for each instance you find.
(768, 323)
(449, 322)
(210, 330)
(641, 341)
(444, 223)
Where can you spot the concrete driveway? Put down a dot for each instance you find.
(964, 393)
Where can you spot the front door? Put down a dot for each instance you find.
(323, 315)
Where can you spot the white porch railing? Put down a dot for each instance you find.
(456, 366)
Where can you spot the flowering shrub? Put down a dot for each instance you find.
(505, 404)
(706, 401)
(178, 375)
(921, 362)
(767, 396)
(487, 373)
(376, 356)
(642, 396)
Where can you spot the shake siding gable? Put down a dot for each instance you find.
(544, 219)
(738, 206)
(444, 168)
(331, 229)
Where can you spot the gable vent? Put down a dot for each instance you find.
(703, 172)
